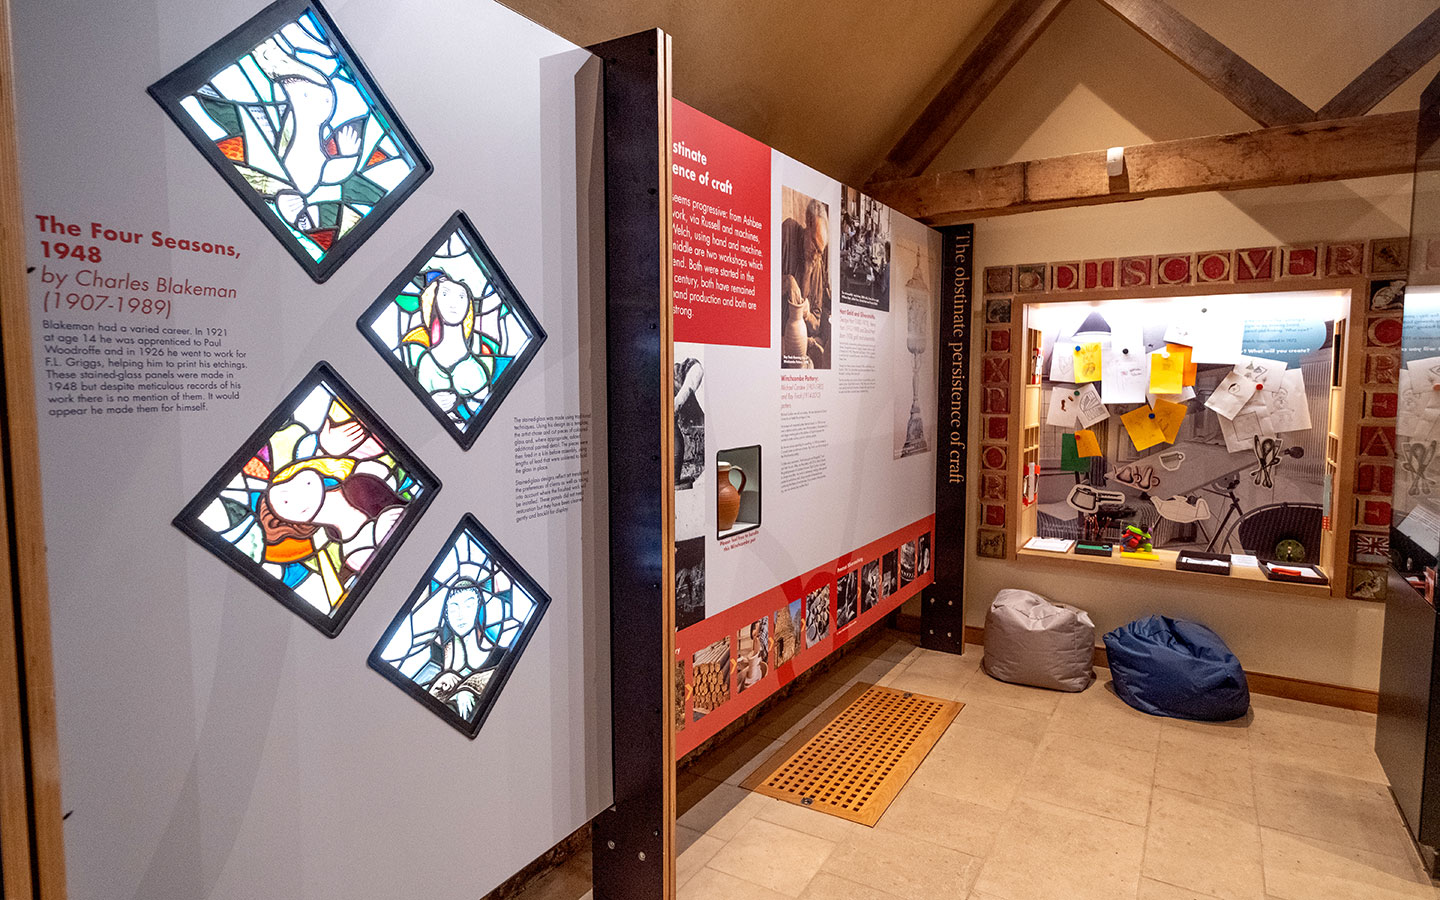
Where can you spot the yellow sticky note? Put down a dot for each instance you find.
(1141, 424)
(1191, 369)
(1167, 373)
(1086, 443)
(1168, 417)
(1087, 363)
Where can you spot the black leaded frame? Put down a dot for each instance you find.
(508, 605)
(499, 335)
(318, 204)
(317, 570)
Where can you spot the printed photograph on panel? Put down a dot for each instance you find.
(787, 632)
(869, 585)
(455, 329)
(924, 550)
(817, 616)
(287, 114)
(864, 251)
(689, 582)
(908, 563)
(805, 301)
(689, 421)
(710, 679)
(315, 503)
(889, 573)
(914, 403)
(847, 599)
(752, 653)
(458, 637)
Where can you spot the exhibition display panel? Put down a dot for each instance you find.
(386, 466)
(806, 323)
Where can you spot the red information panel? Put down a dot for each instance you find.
(721, 232)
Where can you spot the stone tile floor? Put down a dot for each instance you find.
(1038, 795)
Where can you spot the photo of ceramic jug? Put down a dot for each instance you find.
(727, 497)
(794, 338)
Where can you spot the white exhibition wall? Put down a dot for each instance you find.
(213, 744)
(1329, 640)
(846, 473)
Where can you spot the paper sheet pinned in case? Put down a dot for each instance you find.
(1091, 410)
(1140, 423)
(1169, 416)
(1167, 372)
(1087, 362)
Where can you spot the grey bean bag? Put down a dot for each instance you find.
(1029, 640)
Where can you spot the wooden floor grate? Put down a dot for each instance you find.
(853, 760)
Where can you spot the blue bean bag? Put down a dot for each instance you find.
(1171, 667)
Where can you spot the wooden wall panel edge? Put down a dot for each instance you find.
(15, 845)
(24, 502)
(667, 472)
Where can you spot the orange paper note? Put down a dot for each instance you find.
(1086, 444)
(1142, 426)
(1087, 363)
(1168, 417)
(1167, 372)
(1191, 369)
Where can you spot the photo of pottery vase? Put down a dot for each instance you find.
(727, 496)
(794, 340)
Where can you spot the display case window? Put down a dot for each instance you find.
(290, 118)
(1417, 429)
(458, 637)
(738, 491)
(1186, 424)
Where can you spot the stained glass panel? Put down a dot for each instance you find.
(458, 637)
(455, 329)
(315, 502)
(293, 121)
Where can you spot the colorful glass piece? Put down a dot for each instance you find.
(315, 503)
(293, 121)
(456, 640)
(455, 329)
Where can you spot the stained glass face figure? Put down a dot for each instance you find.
(458, 637)
(315, 502)
(455, 329)
(291, 119)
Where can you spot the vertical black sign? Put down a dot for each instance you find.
(942, 615)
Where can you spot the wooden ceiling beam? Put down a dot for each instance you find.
(1293, 154)
(1014, 32)
(1388, 72)
(1217, 65)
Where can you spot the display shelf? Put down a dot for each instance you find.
(1242, 577)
